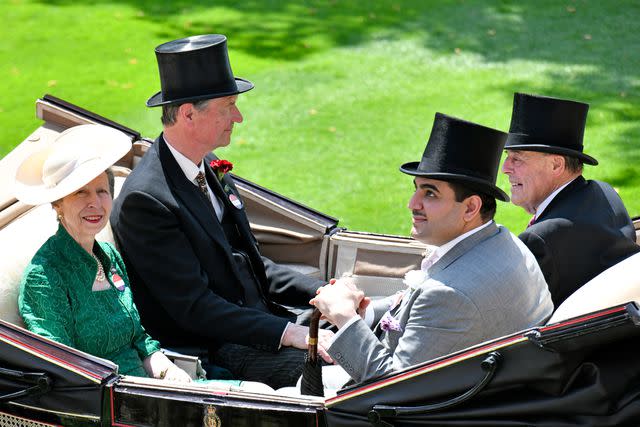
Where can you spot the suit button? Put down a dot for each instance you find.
(240, 303)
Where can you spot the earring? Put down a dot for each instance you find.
(60, 217)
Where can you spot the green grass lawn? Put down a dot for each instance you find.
(345, 91)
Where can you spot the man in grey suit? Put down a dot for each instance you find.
(480, 283)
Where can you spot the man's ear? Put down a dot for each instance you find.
(557, 164)
(472, 205)
(185, 112)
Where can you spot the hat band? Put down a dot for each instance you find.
(177, 92)
(428, 166)
(524, 139)
(51, 180)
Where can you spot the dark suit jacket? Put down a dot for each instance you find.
(185, 282)
(584, 230)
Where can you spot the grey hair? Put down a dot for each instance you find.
(170, 111)
(573, 164)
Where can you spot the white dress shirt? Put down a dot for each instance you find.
(190, 171)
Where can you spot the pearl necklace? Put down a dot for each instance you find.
(100, 276)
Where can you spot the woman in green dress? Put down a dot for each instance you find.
(75, 290)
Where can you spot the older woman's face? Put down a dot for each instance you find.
(86, 211)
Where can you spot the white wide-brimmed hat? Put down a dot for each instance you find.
(75, 158)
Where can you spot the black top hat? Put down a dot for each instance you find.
(195, 68)
(463, 152)
(549, 125)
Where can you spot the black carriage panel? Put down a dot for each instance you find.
(583, 371)
(155, 406)
(38, 376)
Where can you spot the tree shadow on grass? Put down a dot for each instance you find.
(583, 32)
(596, 42)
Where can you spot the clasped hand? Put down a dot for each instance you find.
(340, 300)
(298, 336)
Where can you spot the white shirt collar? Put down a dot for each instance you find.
(542, 206)
(189, 168)
(440, 251)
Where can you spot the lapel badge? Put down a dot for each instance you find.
(118, 282)
(235, 201)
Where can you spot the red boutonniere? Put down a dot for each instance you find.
(220, 167)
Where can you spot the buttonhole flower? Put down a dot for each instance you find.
(220, 167)
(414, 278)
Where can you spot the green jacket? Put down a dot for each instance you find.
(56, 301)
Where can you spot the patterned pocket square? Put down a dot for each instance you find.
(390, 323)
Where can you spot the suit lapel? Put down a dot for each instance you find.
(564, 193)
(236, 214)
(462, 247)
(396, 311)
(217, 189)
(190, 195)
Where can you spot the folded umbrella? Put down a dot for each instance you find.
(311, 383)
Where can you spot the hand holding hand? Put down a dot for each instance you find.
(339, 301)
(325, 338)
(298, 337)
(295, 336)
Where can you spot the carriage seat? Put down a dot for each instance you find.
(616, 285)
(21, 239)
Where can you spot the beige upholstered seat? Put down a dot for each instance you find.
(617, 285)
(21, 239)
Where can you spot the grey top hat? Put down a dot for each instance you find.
(548, 125)
(464, 152)
(195, 68)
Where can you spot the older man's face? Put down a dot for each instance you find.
(530, 176)
(214, 123)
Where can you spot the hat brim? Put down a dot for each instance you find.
(474, 183)
(551, 149)
(108, 146)
(158, 100)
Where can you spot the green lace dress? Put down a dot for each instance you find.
(56, 301)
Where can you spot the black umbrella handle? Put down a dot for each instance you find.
(313, 335)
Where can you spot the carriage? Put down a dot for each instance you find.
(579, 369)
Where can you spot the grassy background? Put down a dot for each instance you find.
(345, 90)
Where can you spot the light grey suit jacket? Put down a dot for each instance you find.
(488, 285)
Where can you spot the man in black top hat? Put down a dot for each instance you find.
(579, 228)
(480, 283)
(197, 275)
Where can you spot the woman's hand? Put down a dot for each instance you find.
(173, 373)
(159, 366)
